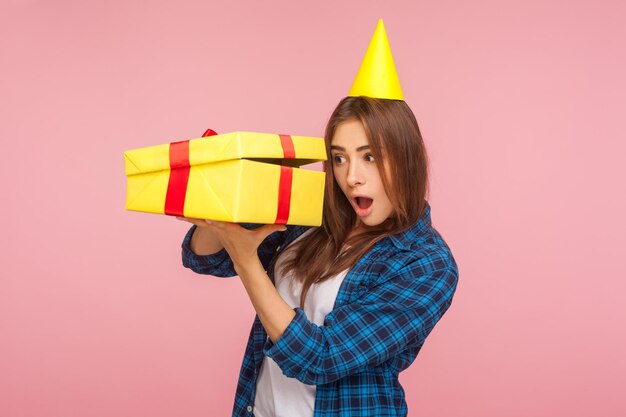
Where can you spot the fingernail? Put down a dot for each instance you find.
(208, 221)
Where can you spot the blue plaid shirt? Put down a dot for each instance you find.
(387, 305)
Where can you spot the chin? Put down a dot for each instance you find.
(372, 222)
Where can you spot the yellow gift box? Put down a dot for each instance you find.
(241, 177)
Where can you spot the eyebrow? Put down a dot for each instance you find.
(341, 148)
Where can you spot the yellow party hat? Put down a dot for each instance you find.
(377, 76)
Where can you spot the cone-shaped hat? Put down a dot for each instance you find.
(377, 76)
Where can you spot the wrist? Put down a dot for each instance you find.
(249, 267)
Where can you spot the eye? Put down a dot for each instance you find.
(369, 157)
(338, 159)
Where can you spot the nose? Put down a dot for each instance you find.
(355, 175)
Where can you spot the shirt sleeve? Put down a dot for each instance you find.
(387, 319)
(219, 264)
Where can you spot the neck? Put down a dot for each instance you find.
(358, 228)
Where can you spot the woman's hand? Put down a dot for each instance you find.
(240, 243)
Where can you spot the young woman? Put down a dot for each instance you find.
(345, 307)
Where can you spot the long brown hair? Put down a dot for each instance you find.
(393, 134)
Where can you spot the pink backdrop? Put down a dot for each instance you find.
(521, 105)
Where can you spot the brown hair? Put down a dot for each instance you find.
(393, 134)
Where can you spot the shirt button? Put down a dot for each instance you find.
(277, 249)
(249, 408)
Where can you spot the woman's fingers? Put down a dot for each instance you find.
(236, 233)
(219, 225)
(197, 222)
(235, 229)
(268, 229)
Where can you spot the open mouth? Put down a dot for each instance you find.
(363, 202)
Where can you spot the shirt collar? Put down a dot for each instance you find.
(405, 239)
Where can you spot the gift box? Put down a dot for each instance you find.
(241, 177)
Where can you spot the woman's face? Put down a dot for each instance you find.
(357, 174)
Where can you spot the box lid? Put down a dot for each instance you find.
(267, 147)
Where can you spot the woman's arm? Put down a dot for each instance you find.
(385, 320)
(275, 314)
(242, 246)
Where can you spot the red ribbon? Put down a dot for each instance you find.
(284, 185)
(179, 177)
(288, 151)
(284, 195)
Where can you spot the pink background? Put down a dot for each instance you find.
(521, 104)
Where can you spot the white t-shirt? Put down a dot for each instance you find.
(277, 395)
